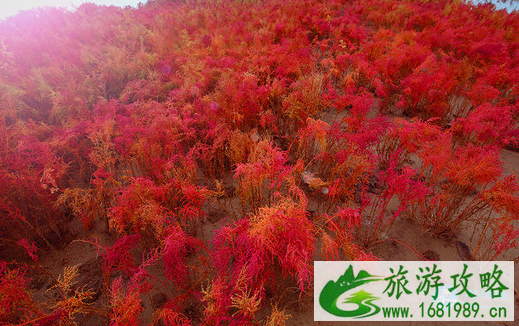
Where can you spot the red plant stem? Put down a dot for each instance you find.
(408, 246)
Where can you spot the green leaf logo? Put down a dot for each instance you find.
(362, 299)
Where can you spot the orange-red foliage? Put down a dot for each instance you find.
(150, 120)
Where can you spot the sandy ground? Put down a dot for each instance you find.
(85, 255)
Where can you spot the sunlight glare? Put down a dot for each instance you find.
(10, 8)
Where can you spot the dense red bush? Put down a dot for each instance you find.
(307, 127)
